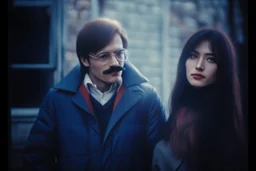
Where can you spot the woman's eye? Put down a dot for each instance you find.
(193, 56)
(211, 59)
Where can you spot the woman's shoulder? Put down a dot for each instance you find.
(162, 146)
(163, 156)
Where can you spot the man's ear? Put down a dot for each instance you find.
(85, 61)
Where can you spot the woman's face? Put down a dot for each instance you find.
(201, 66)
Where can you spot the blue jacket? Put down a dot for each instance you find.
(65, 135)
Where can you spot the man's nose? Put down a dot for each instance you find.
(113, 59)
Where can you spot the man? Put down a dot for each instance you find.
(104, 115)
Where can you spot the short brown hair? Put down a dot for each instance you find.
(96, 34)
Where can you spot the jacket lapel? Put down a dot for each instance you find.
(86, 96)
(82, 100)
(127, 101)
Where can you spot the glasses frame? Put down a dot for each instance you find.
(113, 54)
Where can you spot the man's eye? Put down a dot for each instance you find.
(120, 53)
(103, 56)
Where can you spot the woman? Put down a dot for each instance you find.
(205, 130)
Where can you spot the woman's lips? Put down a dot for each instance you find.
(197, 76)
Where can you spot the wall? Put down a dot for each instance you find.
(157, 30)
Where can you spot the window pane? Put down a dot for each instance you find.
(27, 87)
(28, 35)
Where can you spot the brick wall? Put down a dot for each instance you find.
(157, 30)
(185, 17)
(142, 21)
(140, 18)
(76, 13)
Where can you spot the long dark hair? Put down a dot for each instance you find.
(212, 115)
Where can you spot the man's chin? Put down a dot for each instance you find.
(116, 79)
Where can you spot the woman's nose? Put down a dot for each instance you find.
(200, 64)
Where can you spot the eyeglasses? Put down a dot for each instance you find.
(120, 55)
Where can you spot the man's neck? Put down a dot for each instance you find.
(103, 87)
(100, 85)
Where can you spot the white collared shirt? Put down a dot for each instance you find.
(102, 98)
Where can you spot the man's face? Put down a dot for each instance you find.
(96, 67)
(201, 66)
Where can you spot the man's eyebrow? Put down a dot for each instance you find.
(109, 52)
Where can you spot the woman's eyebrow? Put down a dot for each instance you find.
(194, 51)
(209, 54)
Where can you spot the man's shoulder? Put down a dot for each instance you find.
(53, 92)
(148, 87)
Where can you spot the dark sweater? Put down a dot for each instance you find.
(103, 113)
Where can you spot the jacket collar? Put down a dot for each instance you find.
(71, 82)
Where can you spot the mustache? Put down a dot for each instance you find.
(113, 68)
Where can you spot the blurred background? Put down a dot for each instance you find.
(42, 36)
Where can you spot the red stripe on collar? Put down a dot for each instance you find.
(86, 96)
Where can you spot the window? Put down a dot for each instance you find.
(28, 86)
(32, 53)
(28, 35)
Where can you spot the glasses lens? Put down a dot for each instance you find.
(120, 55)
(105, 57)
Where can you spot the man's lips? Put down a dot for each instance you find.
(197, 76)
(115, 73)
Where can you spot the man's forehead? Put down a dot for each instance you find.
(115, 44)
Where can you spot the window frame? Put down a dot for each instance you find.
(54, 54)
(52, 45)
